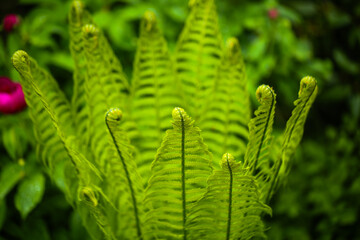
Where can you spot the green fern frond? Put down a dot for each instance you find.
(78, 17)
(124, 181)
(198, 54)
(87, 174)
(49, 146)
(105, 87)
(231, 207)
(260, 128)
(154, 91)
(179, 172)
(224, 124)
(295, 125)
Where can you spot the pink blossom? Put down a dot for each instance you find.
(11, 96)
(273, 13)
(10, 22)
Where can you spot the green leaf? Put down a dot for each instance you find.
(29, 194)
(10, 175)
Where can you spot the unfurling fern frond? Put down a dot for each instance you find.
(295, 125)
(224, 123)
(154, 91)
(51, 105)
(105, 87)
(78, 17)
(198, 54)
(49, 146)
(231, 207)
(124, 182)
(260, 128)
(179, 173)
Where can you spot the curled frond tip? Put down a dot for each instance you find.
(265, 94)
(307, 85)
(114, 114)
(90, 30)
(150, 20)
(227, 161)
(20, 59)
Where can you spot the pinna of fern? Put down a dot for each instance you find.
(104, 167)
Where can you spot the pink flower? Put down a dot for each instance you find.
(11, 96)
(10, 22)
(273, 13)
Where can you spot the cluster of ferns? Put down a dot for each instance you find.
(133, 162)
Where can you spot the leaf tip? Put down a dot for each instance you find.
(20, 60)
(114, 115)
(265, 94)
(307, 85)
(149, 20)
(76, 11)
(227, 161)
(90, 31)
(233, 50)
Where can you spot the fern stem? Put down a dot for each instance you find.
(265, 130)
(133, 197)
(230, 200)
(183, 171)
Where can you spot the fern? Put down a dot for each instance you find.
(179, 172)
(103, 167)
(231, 207)
(225, 122)
(198, 54)
(153, 90)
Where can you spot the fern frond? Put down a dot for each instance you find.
(198, 54)
(231, 207)
(154, 91)
(295, 125)
(49, 146)
(78, 17)
(179, 172)
(224, 124)
(87, 174)
(105, 87)
(124, 180)
(260, 128)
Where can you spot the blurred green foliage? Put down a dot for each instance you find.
(318, 38)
